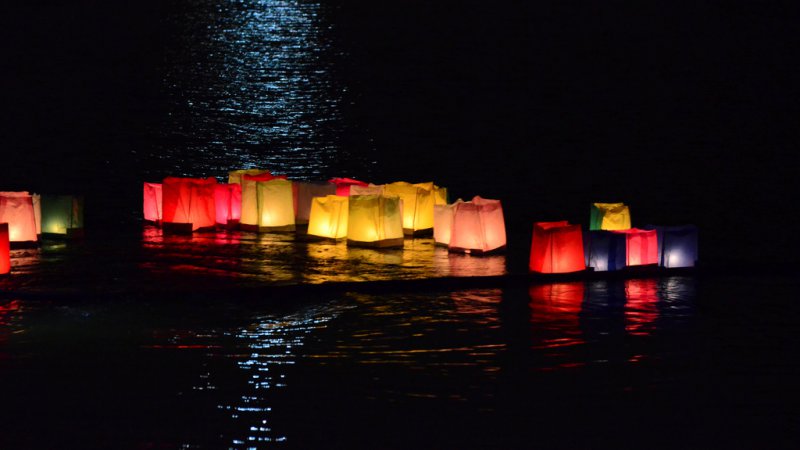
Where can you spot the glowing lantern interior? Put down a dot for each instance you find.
(677, 245)
(557, 247)
(443, 222)
(152, 202)
(61, 214)
(5, 250)
(228, 203)
(17, 210)
(343, 185)
(250, 217)
(609, 216)
(478, 226)
(306, 192)
(605, 250)
(329, 217)
(189, 200)
(275, 205)
(37, 211)
(641, 247)
(374, 221)
(418, 201)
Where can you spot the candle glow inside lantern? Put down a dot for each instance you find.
(605, 250)
(478, 226)
(62, 215)
(188, 203)
(641, 247)
(152, 202)
(418, 201)
(5, 249)
(306, 192)
(250, 219)
(374, 221)
(609, 216)
(37, 211)
(677, 245)
(557, 247)
(17, 210)
(328, 218)
(228, 203)
(343, 185)
(275, 205)
(443, 223)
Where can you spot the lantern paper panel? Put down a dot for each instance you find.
(478, 226)
(249, 219)
(17, 210)
(329, 217)
(275, 205)
(374, 221)
(609, 216)
(228, 203)
(443, 222)
(235, 176)
(439, 195)
(61, 214)
(306, 192)
(418, 201)
(641, 247)
(5, 249)
(677, 245)
(370, 189)
(152, 202)
(557, 247)
(37, 211)
(605, 250)
(343, 185)
(189, 201)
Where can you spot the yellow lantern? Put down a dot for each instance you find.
(374, 221)
(275, 205)
(610, 216)
(329, 217)
(418, 201)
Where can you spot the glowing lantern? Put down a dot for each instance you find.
(275, 205)
(62, 215)
(641, 247)
(188, 203)
(605, 250)
(343, 185)
(370, 189)
(439, 195)
(228, 203)
(418, 201)
(609, 216)
(443, 223)
(478, 226)
(329, 217)
(37, 211)
(677, 245)
(374, 221)
(306, 192)
(235, 176)
(152, 202)
(557, 247)
(5, 250)
(17, 210)
(249, 219)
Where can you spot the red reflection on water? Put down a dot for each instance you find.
(7, 310)
(555, 310)
(641, 306)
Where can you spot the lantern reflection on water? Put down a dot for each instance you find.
(555, 314)
(5, 250)
(609, 216)
(478, 226)
(556, 247)
(374, 221)
(329, 217)
(17, 210)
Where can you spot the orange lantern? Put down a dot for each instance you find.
(188, 203)
(5, 250)
(152, 202)
(557, 247)
(478, 226)
(641, 247)
(374, 221)
(329, 217)
(17, 210)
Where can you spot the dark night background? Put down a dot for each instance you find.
(686, 111)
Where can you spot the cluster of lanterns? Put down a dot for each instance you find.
(25, 217)
(610, 243)
(364, 214)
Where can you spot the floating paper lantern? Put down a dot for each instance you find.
(443, 223)
(249, 220)
(188, 203)
(5, 250)
(374, 221)
(557, 247)
(417, 207)
(62, 215)
(152, 202)
(306, 192)
(609, 216)
(605, 250)
(228, 204)
(343, 185)
(641, 247)
(17, 210)
(37, 211)
(275, 205)
(677, 245)
(329, 217)
(478, 226)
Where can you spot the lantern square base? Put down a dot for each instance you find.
(176, 228)
(386, 243)
(473, 251)
(281, 229)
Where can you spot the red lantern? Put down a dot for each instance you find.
(152, 202)
(228, 203)
(557, 247)
(343, 185)
(641, 247)
(189, 201)
(5, 250)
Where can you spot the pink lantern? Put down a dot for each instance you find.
(641, 246)
(228, 204)
(343, 185)
(5, 250)
(478, 226)
(17, 210)
(152, 202)
(188, 203)
(557, 247)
